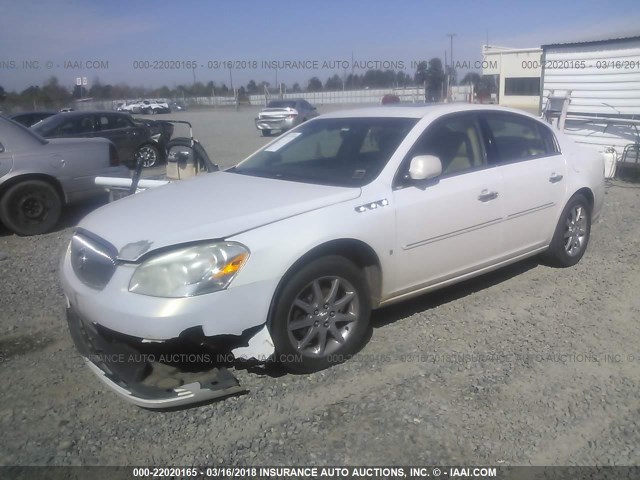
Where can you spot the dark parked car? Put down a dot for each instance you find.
(133, 140)
(389, 98)
(38, 177)
(31, 118)
(161, 132)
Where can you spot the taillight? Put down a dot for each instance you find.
(292, 115)
(114, 159)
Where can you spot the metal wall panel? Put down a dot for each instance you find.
(603, 79)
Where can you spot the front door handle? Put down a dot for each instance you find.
(555, 177)
(486, 195)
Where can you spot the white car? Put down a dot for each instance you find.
(283, 115)
(285, 255)
(146, 106)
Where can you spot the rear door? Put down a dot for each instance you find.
(124, 133)
(533, 170)
(452, 225)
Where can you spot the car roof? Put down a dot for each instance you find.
(39, 112)
(419, 110)
(77, 113)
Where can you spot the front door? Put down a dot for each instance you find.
(451, 225)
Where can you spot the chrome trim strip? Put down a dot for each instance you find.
(530, 210)
(452, 234)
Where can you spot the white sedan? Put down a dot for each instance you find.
(145, 106)
(285, 255)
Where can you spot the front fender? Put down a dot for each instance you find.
(275, 248)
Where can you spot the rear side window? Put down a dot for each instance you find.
(514, 138)
(281, 104)
(112, 122)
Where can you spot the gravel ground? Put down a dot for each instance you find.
(529, 365)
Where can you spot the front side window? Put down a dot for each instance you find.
(514, 138)
(333, 151)
(63, 125)
(455, 141)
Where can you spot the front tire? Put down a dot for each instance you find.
(149, 155)
(572, 233)
(266, 133)
(31, 207)
(322, 315)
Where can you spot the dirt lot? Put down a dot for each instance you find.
(528, 365)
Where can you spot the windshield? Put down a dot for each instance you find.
(334, 151)
(281, 104)
(43, 127)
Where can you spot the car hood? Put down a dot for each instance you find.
(211, 206)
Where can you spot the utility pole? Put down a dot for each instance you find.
(445, 81)
(452, 70)
(451, 35)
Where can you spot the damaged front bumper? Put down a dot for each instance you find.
(154, 375)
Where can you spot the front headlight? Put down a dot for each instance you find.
(190, 271)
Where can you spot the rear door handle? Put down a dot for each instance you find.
(555, 177)
(486, 195)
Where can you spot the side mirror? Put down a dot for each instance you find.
(425, 167)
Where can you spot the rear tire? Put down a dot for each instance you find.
(149, 155)
(30, 207)
(572, 233)
(266, 133)
(322, 315)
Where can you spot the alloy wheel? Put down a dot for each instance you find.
(576, 232)
(322, 316)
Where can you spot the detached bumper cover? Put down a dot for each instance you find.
(124, 369)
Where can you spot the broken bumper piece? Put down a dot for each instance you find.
(149, 375)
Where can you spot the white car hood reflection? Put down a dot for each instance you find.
(212, 206)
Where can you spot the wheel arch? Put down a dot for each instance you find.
(148, 143)
(10, 182)
(357, 251)
(584, 191)
(587, 193)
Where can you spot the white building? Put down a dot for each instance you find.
(602, 81)
(518, 72)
